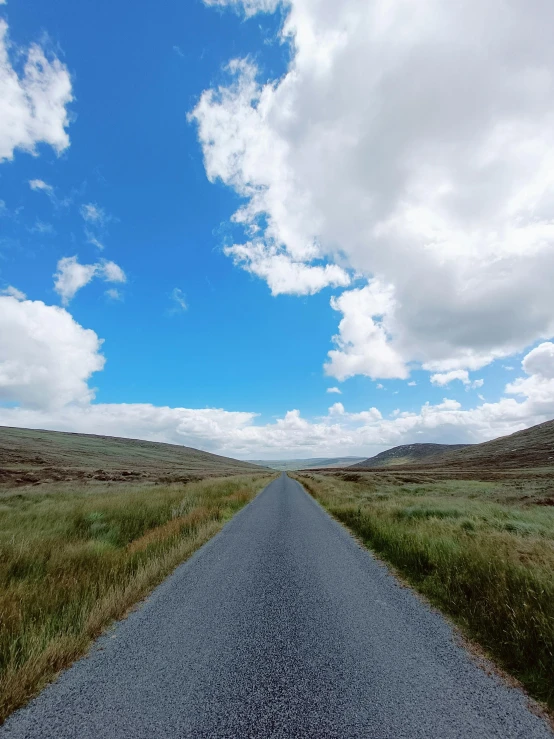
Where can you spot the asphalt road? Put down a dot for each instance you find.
(281, 626)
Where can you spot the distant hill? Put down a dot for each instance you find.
(306, 464)
(533, 447)
(28, 456)
(408, 454)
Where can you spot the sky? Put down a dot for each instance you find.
(277, 228)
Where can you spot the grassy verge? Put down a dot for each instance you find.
(75, 557)
(481, 554)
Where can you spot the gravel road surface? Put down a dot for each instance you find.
(281, 626)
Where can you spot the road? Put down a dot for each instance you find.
(281, 626)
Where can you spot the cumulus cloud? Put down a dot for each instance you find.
(334, 390)
(33, 104)
(282, 274)
(363, 345)
(440, 194)
(445, 378)
(540, 361)
(46, 357)
(71, 276)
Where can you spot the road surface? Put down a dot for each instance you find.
(281, 626)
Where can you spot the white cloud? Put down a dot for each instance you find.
(114, 294)
(440, 194)
(33, 104)
(93, 239)
(179, 300)
(540, 361)
(92, 213)
(249, 7)
(41, 185)
(412, 384)
(444, 378)
(334, 390)
(111, 272)
(14, 292)
(363, 345)
(46, 357)
(71, 276)
(42, 228)
(283, 275)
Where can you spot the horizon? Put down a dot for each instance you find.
(236, 225)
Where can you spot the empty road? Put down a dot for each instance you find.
(281, 626)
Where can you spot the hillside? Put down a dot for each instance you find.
(408, 454)
(304, 464)
(533, 447)
(30, 456)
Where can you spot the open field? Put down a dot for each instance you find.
(76, 555)
(30, 457)
(479, 545)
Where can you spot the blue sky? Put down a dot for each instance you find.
(200, 203)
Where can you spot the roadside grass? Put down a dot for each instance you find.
(486, 563)
(75, 557)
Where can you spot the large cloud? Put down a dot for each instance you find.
(33, 106)
(46, 357)
(413, 143)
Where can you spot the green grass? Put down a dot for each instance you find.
(476, 549)
(74, 557)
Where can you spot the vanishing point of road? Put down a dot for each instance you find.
(281, 626)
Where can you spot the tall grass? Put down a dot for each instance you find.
(488, 565)
(73, 559)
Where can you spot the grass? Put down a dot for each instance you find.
(482, 551)
(75, 557)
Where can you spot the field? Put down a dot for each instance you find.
(478, 544)
(88, 526)
(75, 556)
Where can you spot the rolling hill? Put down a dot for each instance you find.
(532, 447)
(304, 464)
(407, 454)
(32, 456)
